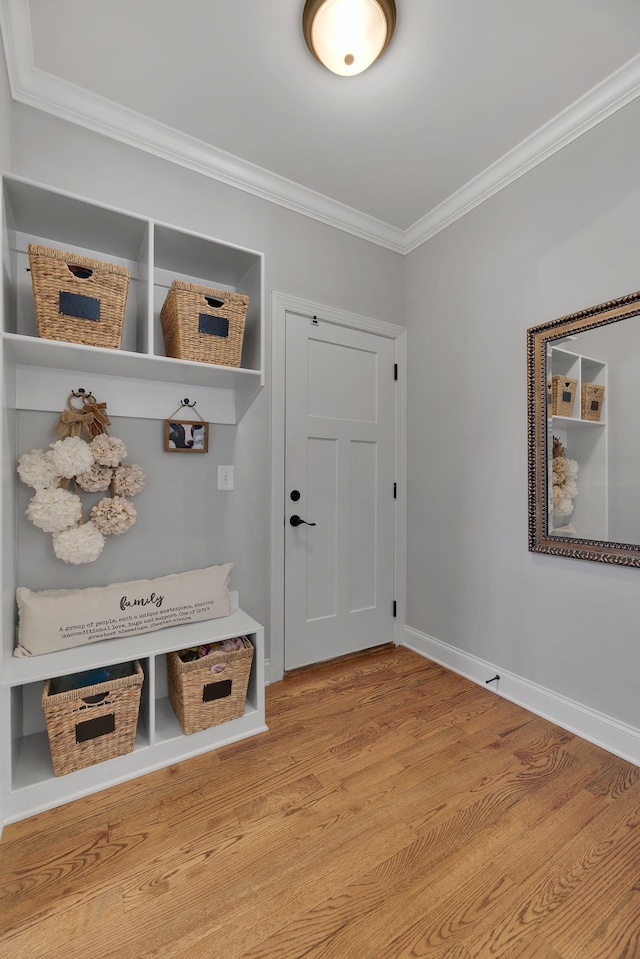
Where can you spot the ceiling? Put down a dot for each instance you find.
(468, 96)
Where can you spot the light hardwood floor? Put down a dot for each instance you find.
(393, 810)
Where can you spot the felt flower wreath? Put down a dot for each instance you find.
(93, 465)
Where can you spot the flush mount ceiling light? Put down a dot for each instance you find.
(348, 35)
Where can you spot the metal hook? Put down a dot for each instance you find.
(185, 402)
(79, 393)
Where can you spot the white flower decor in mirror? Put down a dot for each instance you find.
(584, 458)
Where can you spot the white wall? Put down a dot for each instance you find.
(5, 163)
(561, 238)
(5, 114)
(303, 258)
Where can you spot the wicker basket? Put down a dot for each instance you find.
(204, 324)
(78, 300)
(92, 723)
(202, 698)
(564, 395)
(592, 398)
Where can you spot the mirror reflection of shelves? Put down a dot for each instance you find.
(580, 425)
(571, 422)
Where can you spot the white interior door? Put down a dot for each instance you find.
(340, 476)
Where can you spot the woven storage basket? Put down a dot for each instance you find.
(93, 723)
(204, 324)
(564, 395)
(202, 698)
(592, 398)
(78, 300)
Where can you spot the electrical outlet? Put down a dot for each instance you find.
(225, 477)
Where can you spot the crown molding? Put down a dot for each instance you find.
(66, 100)
(44, 91)
(69, 102)
(598, 104)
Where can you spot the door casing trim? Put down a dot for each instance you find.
(281, 304)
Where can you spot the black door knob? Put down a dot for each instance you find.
(295, 495)
(296, 521)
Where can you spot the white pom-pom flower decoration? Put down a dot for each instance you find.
(108, 450)
(113, 516)
(37, 469)
(81, 544)
(96, 479)
(91, 466)
(564, 473)
(54, 510)
(129, 480)
(71, 456)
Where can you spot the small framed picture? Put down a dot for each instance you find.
(186, 436)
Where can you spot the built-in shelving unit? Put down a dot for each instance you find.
(30, 785)
(584, 441)
(136, 380)
(155, 254)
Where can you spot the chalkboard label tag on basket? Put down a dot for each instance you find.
(214, 325)
(82, 307)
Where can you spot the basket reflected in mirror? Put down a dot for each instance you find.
(592, 399)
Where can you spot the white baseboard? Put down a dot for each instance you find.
(267, 672)
(598, 728)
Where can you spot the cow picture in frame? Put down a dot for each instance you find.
(186, 436)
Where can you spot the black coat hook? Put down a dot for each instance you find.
(185, 402)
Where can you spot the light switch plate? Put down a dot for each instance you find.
(225, 477)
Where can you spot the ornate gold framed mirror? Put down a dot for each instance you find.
(584, 434)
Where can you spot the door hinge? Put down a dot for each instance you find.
(395, 490)
(395, 371)
(395, 609)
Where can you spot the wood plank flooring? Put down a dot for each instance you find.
(393, 810)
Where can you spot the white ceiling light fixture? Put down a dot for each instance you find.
(347, 36)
